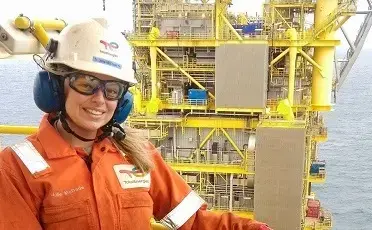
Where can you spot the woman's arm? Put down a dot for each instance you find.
(176, 205)
(17, 206)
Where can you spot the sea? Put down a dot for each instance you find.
(347, 192)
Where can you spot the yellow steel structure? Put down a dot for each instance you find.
(322, 83)
(300, 80)
(213, 147)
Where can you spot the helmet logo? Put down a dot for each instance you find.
(112, 46)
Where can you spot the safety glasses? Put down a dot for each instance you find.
(88, 85)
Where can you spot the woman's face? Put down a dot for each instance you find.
(88, 113)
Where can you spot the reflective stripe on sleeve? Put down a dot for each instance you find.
(30, 157)
(184, 210)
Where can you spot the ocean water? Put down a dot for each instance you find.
(348, 152)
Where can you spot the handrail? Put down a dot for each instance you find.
(193, 36)
(18, 129)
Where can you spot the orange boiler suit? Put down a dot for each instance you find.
(46, 184)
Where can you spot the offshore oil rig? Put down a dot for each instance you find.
(234, 102)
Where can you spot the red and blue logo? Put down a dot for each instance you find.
(134, 172)
(112, 46)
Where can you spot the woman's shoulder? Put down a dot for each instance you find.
(16, 156)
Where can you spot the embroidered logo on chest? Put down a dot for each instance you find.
(130, 177)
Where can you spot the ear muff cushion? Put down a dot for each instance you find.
(124, 108)
(47, 92)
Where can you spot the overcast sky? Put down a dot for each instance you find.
(120, 11)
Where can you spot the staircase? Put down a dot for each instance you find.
(345, 8)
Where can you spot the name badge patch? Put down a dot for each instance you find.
(130, 177)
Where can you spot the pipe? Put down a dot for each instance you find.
(279, 57)
(24, 23)
(218, 114)
(38, 27)
(14, 129)
(232, 142)
(154, 89)
(231, 192)
(207, 138)
(231, 28)
(364, 12)
(351, 44)
(309, 59)
(340, 23)
(281, 17)
(41, 35)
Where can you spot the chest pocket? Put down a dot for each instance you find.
(68, 216)
(135, 210)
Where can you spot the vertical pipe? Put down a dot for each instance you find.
(197, 144)
(213, 23)
(138, 19)
(231, 192)
(174, 143)
(302, 19)
(217, 18)
(292, 65)
(154, 89)
(322, 81)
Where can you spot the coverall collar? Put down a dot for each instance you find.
(56, 147)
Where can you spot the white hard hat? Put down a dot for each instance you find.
(90, 46)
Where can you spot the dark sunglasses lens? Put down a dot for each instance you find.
(114, 90)
(87, 85)
(84, 84)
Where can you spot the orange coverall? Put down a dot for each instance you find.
(57, 191)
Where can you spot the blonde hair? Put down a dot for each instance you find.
(136, 147)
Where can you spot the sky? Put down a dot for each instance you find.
(119, 12)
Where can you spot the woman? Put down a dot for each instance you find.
(82, 170)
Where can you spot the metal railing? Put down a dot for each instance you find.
(180, 100)
(159, 132)
(318, 176)
(344, 6)
(189, 65)
(206, 157)
(291, 1)
(175, 35)
(326, 218)
(324, 221)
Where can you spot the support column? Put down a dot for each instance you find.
(153, 105)
(217, 18)
(322, 81)
(292, 65)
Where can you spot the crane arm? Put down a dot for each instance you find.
(24, 36)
